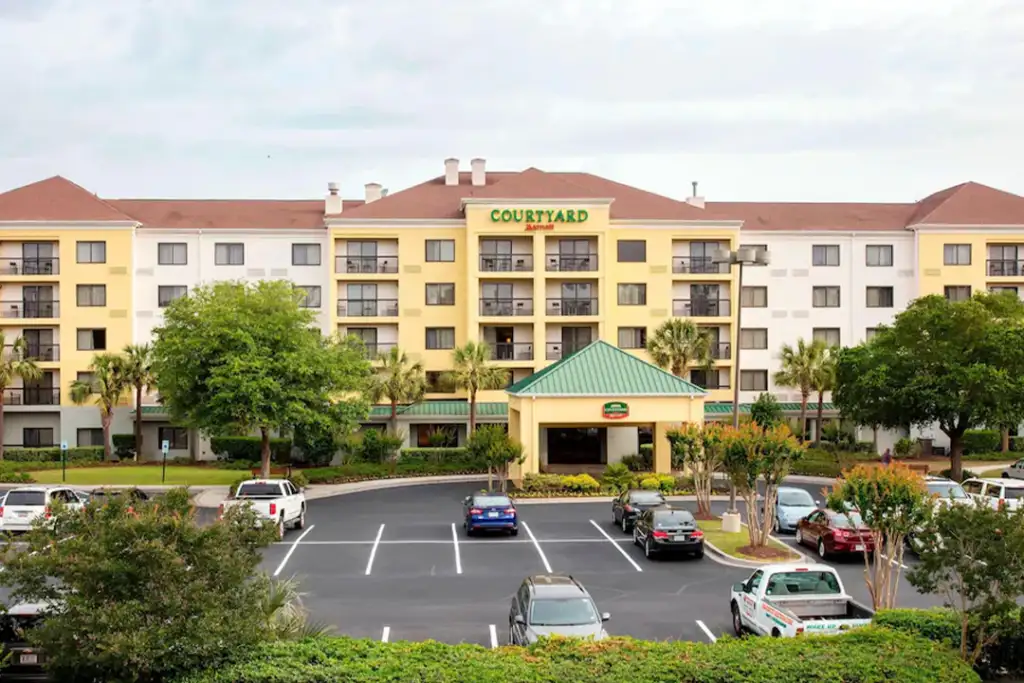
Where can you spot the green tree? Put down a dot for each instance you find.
(138, 371)
(766, 411)
(398, 380)
(14, 365)
(237, 357)
(473, 372)
(493, 445)
(799, 368)
(958, 364)
(824, 381)
(678, 344)
(107, 382)
(702, 450)
(141, 591)
(321, 439)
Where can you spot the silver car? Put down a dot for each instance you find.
(791, 505)
(553, 605)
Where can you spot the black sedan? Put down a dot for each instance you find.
(667, 530)
(628, 506)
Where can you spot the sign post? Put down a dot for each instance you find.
(165, 446)
(64, 461)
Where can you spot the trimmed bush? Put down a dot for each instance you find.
(361, 471)
(442, 456)
(868, 655)
(617, 477)
(981, 441)
(124, 446)
(639, 462)
(650, 484)
(964, 474)
(581, 483)
(1017, 444)
(248, 448)
(52, 454)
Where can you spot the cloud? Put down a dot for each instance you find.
(263, 98)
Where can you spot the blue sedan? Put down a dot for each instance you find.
(489, 512)
(791, 505)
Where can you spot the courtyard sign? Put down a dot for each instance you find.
(539, 219)
(615, 410)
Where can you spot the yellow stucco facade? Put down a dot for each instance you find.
(981, 259)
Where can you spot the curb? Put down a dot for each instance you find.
(603, 499)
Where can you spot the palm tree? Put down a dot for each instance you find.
(678, 344)
(798, 371)
(108, 384)
(398, 380)
(282, 609)
(138, 373)
(15, 365)
(473, 372)
(824, 380)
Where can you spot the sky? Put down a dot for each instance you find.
(795, 100)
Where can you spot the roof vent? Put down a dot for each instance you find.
(451, 171)
(479, 172)
(374, 191)
(694, 199)
(333, 205)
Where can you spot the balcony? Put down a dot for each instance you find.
(1005, 267)
(701, 308)
(43, 353)
(512, 351)
(32, 396)
(721, 350)
(366, 264)
(558, 350)
(573, 263)
(30, 266)
(376, 349)
(710, 381)
(368, 308)
(571, 307)
(506, 307)
(698, 265)
(506, 263)
(29, 309)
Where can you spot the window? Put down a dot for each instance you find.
(91, 252)
(165, 294)
(825, 255)
(957, 292)
(755, 338)
(956, 255)
(879, 255)
(90, 437)
(633, 295)
(754, 297)
(440, 251)
(310, 296)
(225, 254)
(825, 297)
(632, 337)
(440, 338)
(436, 436)
(172, 253)
(441, 294)
(176, 438)
(92, 340)
(37, 437)
(632, 251)
(1001, 289)
(86, 378)
(879, 297)
(869, 333)
(829, 335)
(92, 295)
(753, 380)
(756, 247)
(305, 254)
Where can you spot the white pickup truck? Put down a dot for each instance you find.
(788, 600)
(274, 500)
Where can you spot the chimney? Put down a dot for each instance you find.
(693, 199)
(374, 191)
(332, 206)
(479, 172)
(451, 171)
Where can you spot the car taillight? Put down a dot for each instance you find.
(273, 509)
(659, 534)
(628, 508)
(1002, 504)
(47, 513)
(697, 534)
(220, 511)
(510, 511)
(1, 510)
(476, 511)
(841, 533)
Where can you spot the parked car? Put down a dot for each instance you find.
(1015, 471)
(487, 511)
(791, 505)
(25, 662)
(666, 530)
(628, 506)
(945, 492)
(276, 501)
(25, 504)
(103, 496)
(553, 605)
(788, 600)
(1007, 493)
(835, 533)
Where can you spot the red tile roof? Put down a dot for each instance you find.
(56, 199)
(251, 214)
(970, 204)
(771, 216)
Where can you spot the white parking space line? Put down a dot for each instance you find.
(385, 634)
(288, 555)
(494, 636)
(617, 546)
(540, 551)
(373, 554)
(458, 559)
(474, 541)
(707, 631)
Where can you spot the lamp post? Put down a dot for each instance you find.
(744, 256)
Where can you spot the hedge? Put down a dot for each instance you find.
(360, 471)
(124, 445)
(581, 485)
(981, 441)
(77, 454)
(868, 655)
(248, 448)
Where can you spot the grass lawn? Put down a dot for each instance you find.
(730, 543)
(177, 475)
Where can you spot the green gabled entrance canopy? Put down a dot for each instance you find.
(600, 369)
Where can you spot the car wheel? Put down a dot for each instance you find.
(737, 620)
(776, 526)
(300, 523)
(1006, 475)
(511, 635)
(280, 529)
(515, 531)
(625, 527)
(699, 554)
(636, 537)
(799, 537)
(647, 549)
(822, 553)
(469, 530)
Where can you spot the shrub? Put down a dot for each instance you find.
(78, 454)
(298, 479)
(903, 448)
(646, 451)
(375, 446)
(124, 446)
(639, 462)
(964, 475)
(248, 448)
(666, 483)
(537, 483)
(580, 483)
(14, 477)
(1017, 444)
(434, 454)
(650, 484)
(981, 441)
(617, 477)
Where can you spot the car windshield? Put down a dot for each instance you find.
(563, 612)
(258, 490)
(803, 583)
(947, 489)
(492, 501)
(646, 498)
(795, 498)
(851, 520)
(28, 498)
(673, 518)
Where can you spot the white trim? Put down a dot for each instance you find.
(259, 232)
(945, 228)
(640, 395)
(376, 223)
(658, 224)
(71, 225)
(566, 202)
(798, 234)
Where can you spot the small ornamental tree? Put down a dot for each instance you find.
(766, 411)
(753, 454)
(701, 449)
(493, 445)
(892, 502)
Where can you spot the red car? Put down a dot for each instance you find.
(835, 533)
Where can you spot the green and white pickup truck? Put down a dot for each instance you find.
(789, 600)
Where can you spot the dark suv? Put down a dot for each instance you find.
(667, 530)
(25, 662)
(553, 605)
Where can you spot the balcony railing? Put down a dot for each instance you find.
(368, 308)
(572, 264)
(699, 265)
(708, 382)
(32, 396)
(1005, 267)
(558, 350)
(29, 309)
(721, 350)
(506, 263)
(365, 264)
(506, 307)
(512, 351)
(30, 266)
(38, 352)
(569, 307)
(375, 350)
(704, 308)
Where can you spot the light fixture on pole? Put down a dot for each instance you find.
(744, 256)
